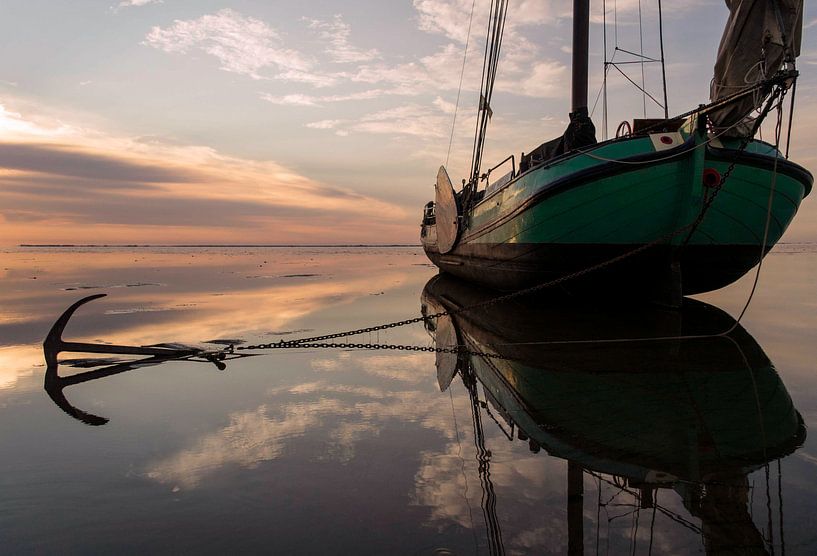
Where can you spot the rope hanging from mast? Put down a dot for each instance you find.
(493, 44)
(459, 89)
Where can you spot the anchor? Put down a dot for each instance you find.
(53, 345)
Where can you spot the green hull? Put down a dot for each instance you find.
(679, 409)
(584, 208)
(696, 416)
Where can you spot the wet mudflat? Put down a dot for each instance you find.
(546, 432)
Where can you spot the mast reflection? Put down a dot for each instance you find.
(613, 391)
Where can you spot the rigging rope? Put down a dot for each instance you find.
(483, 457)
(674, 516)
(462, 470)
(778, 127)
(493, 45)
(459, 89)
(641, 58)
(663, 63)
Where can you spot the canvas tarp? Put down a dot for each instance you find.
(759, 35)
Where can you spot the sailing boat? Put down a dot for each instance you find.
(673, 207)
(693, 416)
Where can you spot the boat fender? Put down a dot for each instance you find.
(711, 177)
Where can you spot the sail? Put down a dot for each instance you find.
(759, 36)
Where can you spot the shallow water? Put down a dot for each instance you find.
(532, 441)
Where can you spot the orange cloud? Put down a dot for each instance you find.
(64, 184)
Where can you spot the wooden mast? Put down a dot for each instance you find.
(581, 39)
(578, 102)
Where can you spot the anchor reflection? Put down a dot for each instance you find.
(53, 345)
(615, 393)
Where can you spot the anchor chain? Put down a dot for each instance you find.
(377, 346)
(777, 97)
(710, 197)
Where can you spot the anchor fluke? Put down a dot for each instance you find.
(53, 341)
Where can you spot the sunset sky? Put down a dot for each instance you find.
(204, 121)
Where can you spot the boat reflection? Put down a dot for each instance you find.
(138, 357)
(610, 391)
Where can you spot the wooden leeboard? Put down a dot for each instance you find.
(445, 211)
(445, 337)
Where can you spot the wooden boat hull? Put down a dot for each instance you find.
(586, 208)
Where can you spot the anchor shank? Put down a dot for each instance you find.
(81, 347)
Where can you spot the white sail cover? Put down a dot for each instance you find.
(759, 36)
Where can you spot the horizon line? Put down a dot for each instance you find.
(219, 245)
(269, 244)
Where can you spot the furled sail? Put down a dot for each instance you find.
(760, 36)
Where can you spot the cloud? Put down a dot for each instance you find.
(299, 99)
(545, 79)
(344, 413)
(248, 46)
(412, 119)
(251, 47)
(296, 99)
(250, 438)
(450, 18)
(136, 3)
(14, 125)
(259, 435)
(69, 161)
(409, 120)
(525, 71)
(315, 79)
(626, 12)
(444, 105)
(337, 33)
(435, 72)
(242, 45)
(324, 124)
(76, 186)
(448, 483)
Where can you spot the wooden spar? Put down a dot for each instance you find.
(581, 38)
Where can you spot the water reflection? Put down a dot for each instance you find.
(637, 415)
(143, 356)
(297, 438)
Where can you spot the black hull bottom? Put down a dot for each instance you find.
(661, 273)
